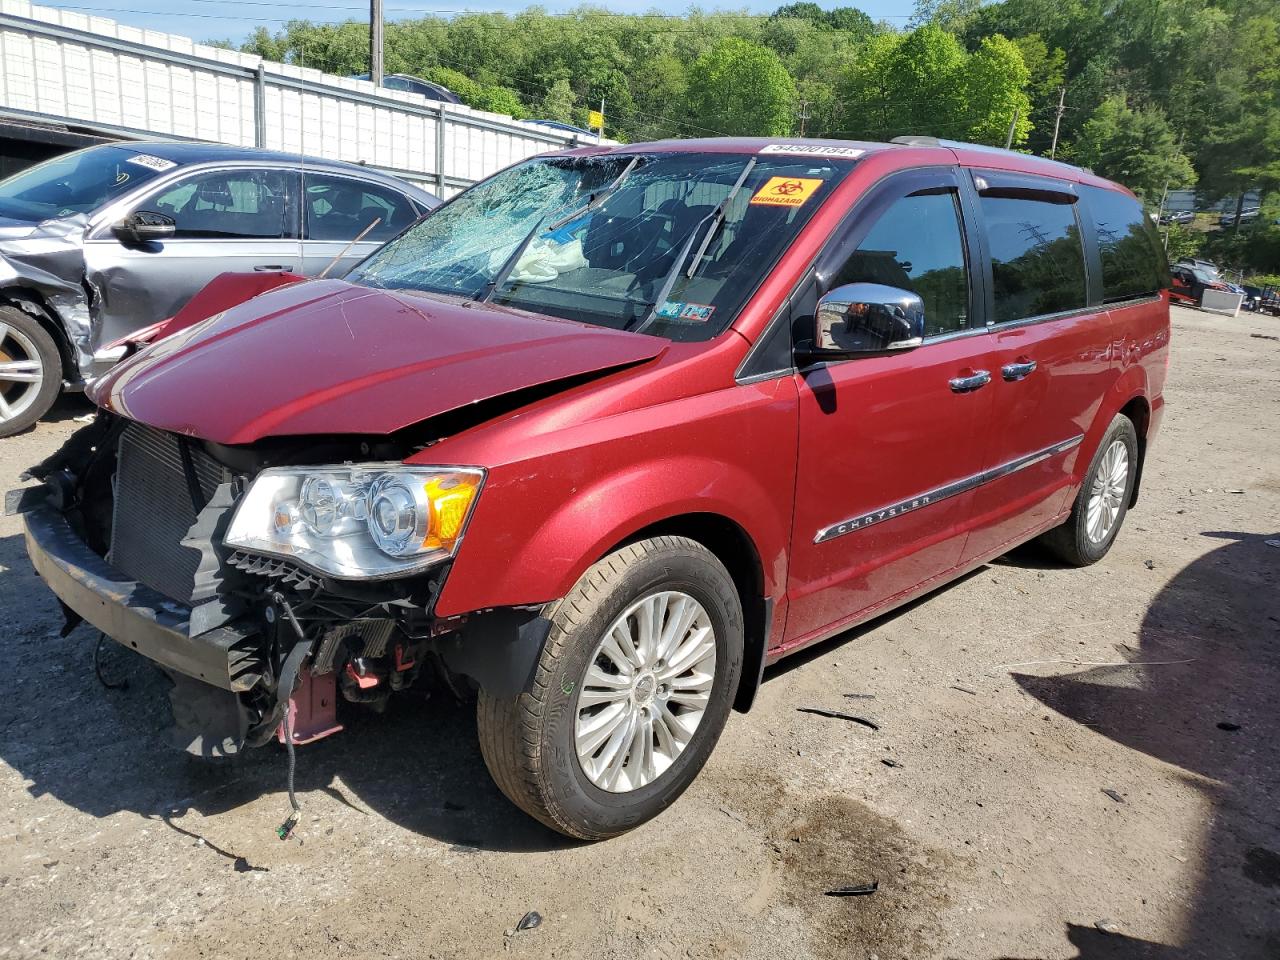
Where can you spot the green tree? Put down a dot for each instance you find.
(558, 103)
(1135, 147)
(924, 82)
(743, 89)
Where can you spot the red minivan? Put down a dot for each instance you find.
(606, 434)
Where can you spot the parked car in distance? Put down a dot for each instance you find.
(1208, 266)
(1247, 215)
(1190, 282)
(1253, 297)
(101, 242)
(412, 84)
(1182, 216)
(608, 433)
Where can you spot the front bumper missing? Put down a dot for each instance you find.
(133, 614)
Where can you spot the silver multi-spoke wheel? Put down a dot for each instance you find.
(21, 372)
(645, 690)
(1106, 495)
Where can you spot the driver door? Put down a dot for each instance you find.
(892, 443)
(241, 219)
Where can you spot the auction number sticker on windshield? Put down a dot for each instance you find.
(814, 150)
(786, 191)
(155, 163)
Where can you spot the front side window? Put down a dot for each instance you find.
(1133, 260)
(917, 245)
(228, 204)
(340, 208)
(671, 244)
(1037, 261)
(77, 182)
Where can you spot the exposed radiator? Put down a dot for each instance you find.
(154, 509)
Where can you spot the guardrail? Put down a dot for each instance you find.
(64, 66)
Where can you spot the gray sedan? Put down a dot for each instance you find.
(105, 241)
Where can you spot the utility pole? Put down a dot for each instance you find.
(803, 115)
(375, 42)
(1057, 121)
(1008, 143)
(1164, 195)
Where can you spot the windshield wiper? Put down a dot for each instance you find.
(716, 217)
(582, 210)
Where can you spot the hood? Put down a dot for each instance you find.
(11, 229)
(328, 357)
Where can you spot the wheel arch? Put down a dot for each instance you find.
(734, 547)
(1138, 410)
(31, 303)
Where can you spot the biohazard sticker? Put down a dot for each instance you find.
(786, 191)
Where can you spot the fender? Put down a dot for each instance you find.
(545, 565)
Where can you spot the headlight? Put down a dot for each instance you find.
(358, 522)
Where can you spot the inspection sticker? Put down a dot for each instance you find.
(786, 191)
(814, 150)
(155, 163)
(689, 312)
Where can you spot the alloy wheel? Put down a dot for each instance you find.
(645, 690)
(1106, 494)
(21, 372)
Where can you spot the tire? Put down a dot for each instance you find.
(26, 351)
(531, 742)
(1086, 537)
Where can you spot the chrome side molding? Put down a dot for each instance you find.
(938, 494)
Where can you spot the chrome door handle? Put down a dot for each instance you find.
(979, 379)
(1018, 371)
(272, 267)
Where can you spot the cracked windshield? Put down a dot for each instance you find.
(671, 245)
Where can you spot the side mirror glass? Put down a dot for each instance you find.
(144, 225)
(865, 318)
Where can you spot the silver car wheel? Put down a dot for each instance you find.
(21, 372)
(1106, 494)
(645, 690)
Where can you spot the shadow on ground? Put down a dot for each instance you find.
(1215, 717)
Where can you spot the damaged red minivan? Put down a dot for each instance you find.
(605, 435)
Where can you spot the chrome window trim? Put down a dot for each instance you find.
(938, 494)
(1048, 317)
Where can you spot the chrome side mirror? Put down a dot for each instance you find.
(142, 226)
(865, 318)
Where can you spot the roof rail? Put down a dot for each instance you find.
(923, 141)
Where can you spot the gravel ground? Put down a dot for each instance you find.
(1009, 701)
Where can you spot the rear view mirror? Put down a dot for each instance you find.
(865, 318)
(144, 225)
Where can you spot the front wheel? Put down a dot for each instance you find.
(1103, 500)
(30, 371)
(630, 694)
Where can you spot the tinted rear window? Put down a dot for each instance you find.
(1037, 261)
(1133, 260)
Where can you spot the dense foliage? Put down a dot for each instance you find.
(1157, 93)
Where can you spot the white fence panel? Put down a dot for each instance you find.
(66, 66)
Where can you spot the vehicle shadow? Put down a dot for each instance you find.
(105, 750)
(1215, 718)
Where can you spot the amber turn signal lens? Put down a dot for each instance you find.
(450, 498)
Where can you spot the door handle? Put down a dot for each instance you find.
(1018, 371)
(975, 381)
(271, 267)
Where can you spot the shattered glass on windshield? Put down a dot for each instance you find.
(671, 244)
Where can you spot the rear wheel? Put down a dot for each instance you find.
(30, 371)
(1103, 500)
(630, 695)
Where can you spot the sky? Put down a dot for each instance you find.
(236, 19)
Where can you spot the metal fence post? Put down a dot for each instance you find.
(440, 122)
(260, 107)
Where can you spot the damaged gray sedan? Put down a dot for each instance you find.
(100, 243)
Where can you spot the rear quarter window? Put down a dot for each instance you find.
(1133, 259)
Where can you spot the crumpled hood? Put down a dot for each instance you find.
(328, 357)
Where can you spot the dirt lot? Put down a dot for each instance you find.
(1009, 701)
